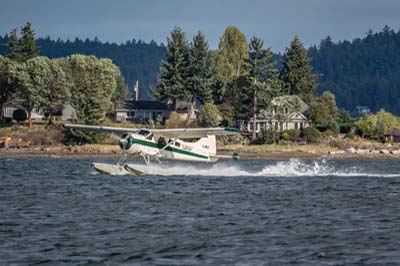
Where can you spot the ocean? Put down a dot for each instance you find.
(246, 212)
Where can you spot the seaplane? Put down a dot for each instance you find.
(183, 144)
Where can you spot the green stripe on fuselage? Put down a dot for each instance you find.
(171, 149)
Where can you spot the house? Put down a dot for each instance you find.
(141, 111)
(392, 135)
(361, 111)
(286, 112)
(8, 110)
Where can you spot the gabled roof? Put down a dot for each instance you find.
(141, 105)
(290, 99)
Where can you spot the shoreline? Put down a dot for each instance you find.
(112, 151)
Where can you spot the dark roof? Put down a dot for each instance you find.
(393, 132)
(142, 105)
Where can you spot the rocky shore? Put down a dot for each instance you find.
(245, 152)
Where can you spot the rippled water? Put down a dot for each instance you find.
(255, 212)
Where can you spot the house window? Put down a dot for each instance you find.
(130, 114)
(276, 125)
(301, 125)
(296, 125)
(287, 126)
(147, 115)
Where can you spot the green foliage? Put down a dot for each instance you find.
(311, 134)
(367, 126)
(20, 115)
(333, 126)
(171, 85)
(344, 120)
(285, 136)
(293, 134)
(121, 91)
(199, 70)
(297, 73)
(267, 136)
(323, 110)
(9, 80)
(349, 135)
(363, 71)
(174, 121)
(28, 43)
(209, 115)
(233, 52)
(375, 126)
(229, 64)
(93, 85)
(13, 46)
(263, 78)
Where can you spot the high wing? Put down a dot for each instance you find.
(182, 133)
(115, 130)
(190, 133)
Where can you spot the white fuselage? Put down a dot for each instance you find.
(203, 150)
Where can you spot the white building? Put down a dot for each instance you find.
(286, 112)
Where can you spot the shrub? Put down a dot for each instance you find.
(311, 134)
(209, 115)
(349, 135)
(285, 136)
(267, 136)
(333, 126)
(174, 121)
(328, 133)
(293, 133)
(20, 115)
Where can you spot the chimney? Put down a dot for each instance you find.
(137, 90)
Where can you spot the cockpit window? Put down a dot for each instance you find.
(125, 136)
(143, 132)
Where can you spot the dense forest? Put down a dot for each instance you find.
(365, 71)
(136, 59)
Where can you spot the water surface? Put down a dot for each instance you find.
(255, 212)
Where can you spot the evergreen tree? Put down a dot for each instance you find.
(199, 72)
(264, 82)
(297, 73)
(13, 45)
(171, 85)
(28, 43)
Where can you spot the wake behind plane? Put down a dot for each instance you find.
(159, 144)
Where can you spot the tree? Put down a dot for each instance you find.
(263, 77)
(29, 48)
(121, 91)
(198, 73)
(297, 73)
(233, 51)
(93, 85)
(57, 92)
(9, 80)
(171, 85)
(33, 93)
(323, 110)
(229, 63)
(14, 47)
(209, 115)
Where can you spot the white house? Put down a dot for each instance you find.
(286, 112)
